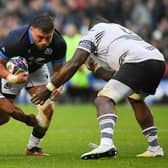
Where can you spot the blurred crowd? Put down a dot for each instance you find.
(148, 18)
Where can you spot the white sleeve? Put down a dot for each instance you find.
(87, 43)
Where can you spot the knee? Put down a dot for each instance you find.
(45, 113)
(47, 107)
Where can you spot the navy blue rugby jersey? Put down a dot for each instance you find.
(19, 42)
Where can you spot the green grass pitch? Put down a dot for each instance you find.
(72, 128)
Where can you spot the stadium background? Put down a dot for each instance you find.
(149, 18)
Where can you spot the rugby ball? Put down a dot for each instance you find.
(16, 65)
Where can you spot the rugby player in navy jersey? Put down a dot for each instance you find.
(133, 69)
(39, 43)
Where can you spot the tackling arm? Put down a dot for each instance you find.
(59, 78)
(69, 69)
(56, 93)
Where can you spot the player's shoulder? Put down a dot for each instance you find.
(18, 32)
(98, 27)
(58, 36)
(97, 31)
(16, 36)
(58, 40)
(14, 43)
(101, 26)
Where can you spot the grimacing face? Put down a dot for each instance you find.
(41, 39)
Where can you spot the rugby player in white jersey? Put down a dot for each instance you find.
(136, 68)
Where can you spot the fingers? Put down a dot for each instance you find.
(35, 100)
(41, 97)
(22, 77)
(55, 95)
(22, 74)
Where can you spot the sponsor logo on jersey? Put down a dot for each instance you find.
(122, 57)
(8, 85)
(48, 51)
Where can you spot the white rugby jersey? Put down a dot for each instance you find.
(111, 45)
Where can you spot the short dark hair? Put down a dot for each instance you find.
(96, 20)
(44, 22)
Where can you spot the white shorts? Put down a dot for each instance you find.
(37, 78)
(116, 90)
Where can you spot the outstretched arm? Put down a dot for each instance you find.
(69, 69)
(59, 78)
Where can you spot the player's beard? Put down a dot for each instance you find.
(43, 46)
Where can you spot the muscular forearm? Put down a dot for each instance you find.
(69, 69)
(65, 73)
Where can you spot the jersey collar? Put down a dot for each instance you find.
(30, 37)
